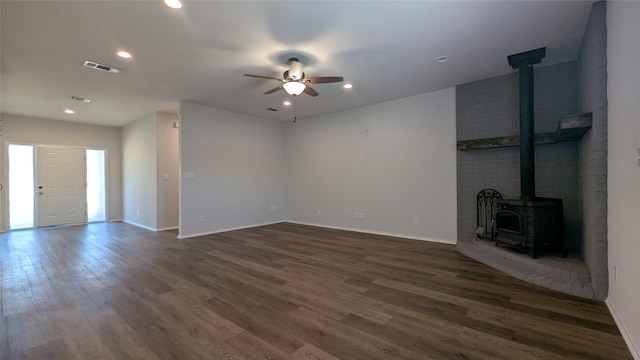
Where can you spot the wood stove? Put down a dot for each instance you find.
(536, 225)
(529, 222)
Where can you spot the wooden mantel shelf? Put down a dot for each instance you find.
(571, 128)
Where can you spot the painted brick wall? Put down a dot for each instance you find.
(489, 108)
(592, 150)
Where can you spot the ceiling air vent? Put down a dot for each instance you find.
(95, 65)
(80, 98)
(272, 109)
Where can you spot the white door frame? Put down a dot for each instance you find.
(4, 221)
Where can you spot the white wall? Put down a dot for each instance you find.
(139, 172)
(167, 164)
(392, 161)
(36, 131)
(623, 51)
(238, 167)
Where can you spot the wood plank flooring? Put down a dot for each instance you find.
(285, 291)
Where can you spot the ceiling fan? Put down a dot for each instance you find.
(294, 81)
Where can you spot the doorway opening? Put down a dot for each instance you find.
(21, 187)
(96, 185)
(55, 185)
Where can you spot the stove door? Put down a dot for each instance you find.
(510, 221)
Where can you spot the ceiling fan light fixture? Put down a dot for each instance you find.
(294, 88)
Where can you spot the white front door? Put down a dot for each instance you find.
(60, 186)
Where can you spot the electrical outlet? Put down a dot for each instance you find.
(201, 218)
(319, 212)
(359, 215)
(416, 220)
(273, 208)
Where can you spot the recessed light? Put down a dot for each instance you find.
(442, 59)
(347, 86)
(124, 54)
(174, 4)
(287, 103)
(69, 111)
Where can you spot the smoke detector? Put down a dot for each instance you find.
(95, 65)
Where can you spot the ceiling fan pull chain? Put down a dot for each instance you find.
(295, 110)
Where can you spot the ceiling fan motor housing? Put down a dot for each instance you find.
(295, 70)
(288, 76)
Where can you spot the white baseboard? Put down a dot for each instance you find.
(167, 228)
(404, 236)
(186, 236)
(139, 225)
(147, 227)
(623, 330)
(421, 238)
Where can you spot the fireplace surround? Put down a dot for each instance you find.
(574, 170)
(529, 222)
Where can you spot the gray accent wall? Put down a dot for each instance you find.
(593, 148)
(489, 108)
(576, 172)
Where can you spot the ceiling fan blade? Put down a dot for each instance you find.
(323, 79)
(263, 77)
(309, 91)
(278, 88)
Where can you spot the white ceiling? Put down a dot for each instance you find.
(387, 49)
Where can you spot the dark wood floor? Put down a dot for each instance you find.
(113, 291)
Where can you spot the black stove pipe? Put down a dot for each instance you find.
(524, 63)
(527, 153)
